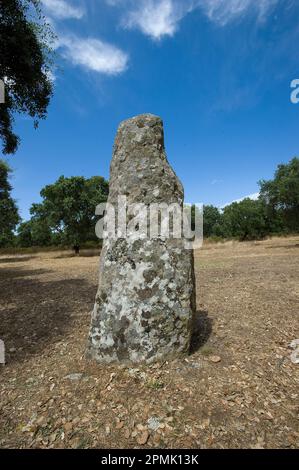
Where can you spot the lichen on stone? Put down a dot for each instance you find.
(145, 301)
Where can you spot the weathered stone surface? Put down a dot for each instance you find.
(146, 298)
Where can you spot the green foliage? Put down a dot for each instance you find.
(211, 219)
(35, 232)
(9, 217)
(245, 220)
(25, 62)
(66, 215)
(68, 209)
(281, 195)
(275, 212)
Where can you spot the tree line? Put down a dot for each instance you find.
(65, 217)
(66, 214)
(276, 211)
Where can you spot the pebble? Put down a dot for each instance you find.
(143, 438)
(215, 359)
(74, 377)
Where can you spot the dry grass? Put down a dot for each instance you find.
(247, 315)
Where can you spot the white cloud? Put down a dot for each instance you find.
(94, 54)
(253, 196)
(216, 181)
(158, 18)
(224, 11)
(155, 18)
(113, 3)
(61, 9)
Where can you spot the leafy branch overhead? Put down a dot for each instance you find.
(25, 66)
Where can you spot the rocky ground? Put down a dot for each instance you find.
(238, 388)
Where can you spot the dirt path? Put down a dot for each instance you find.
(239, 388)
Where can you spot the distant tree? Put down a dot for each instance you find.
(211, 219)
(281, 195)
(245, 220)
(35, 232)
(24, 235)
(9, 217)
(25, 62)
(68, 208)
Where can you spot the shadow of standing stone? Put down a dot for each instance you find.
(201, 330)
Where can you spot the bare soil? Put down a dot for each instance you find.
(238, 388)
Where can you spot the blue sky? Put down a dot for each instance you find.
(217, 71)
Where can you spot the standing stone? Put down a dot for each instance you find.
(146, 297)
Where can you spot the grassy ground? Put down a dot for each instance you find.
(238, 388)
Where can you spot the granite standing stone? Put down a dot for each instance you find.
(146, 297)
